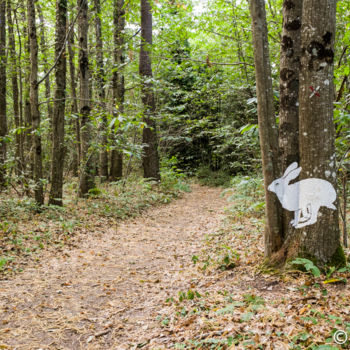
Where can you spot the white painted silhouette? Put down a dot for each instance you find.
(304, 197)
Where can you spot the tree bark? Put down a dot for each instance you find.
(116, 170)
(24, 88)
(267, 125)
(34, 103)
(321, 240)
(289, 93)
(58, 148)
(101, 92)
(23, 135)
(45, 62)
(87, 171)
(3, 115)
(74, 104)
(15, 90)
(150, 159)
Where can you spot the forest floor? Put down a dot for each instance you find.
(184, 275)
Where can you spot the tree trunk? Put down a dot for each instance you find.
(20, 97)
(3, 117)
(150, 159)
(321, 240)
(267, 125)
(15, 90)
(116, 171)
(289, 93)
(74, 104)
(34, 103)
(59, 106)
(101, 91)
(87, 171)
(45, 62)
(24, 88)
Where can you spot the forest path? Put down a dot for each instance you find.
(107, 293)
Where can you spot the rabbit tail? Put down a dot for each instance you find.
(331, 206)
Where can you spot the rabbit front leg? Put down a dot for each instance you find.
(296, 217)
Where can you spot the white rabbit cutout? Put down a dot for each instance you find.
(304, 197)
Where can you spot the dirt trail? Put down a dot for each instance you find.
(107, 293)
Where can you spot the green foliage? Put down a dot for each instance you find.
(172, 177)
(3, 262)
(247, 316)
(230, 308)
(209, 177)
(308, 265)
(246, 194)
(95, 192)
(202, 114)
(228, 259)
(338, 259)
(254, 299)
(189, 295)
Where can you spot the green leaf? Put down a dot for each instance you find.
(247, 316)
(229, 308)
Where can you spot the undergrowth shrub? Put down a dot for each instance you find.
(209, 177)
(246, 196)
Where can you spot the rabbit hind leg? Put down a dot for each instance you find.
(307, 213)
(313, 217)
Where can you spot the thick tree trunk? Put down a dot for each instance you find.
(43, 45)
(34, 103)
(58, 148)
(289, 82)
(289, 93)
(15, 90)
(3, 117)
(320, 240)
(116, 171)
(150, 159)
(87, 171)
(267, 125)
(74, 105)
(101, 91)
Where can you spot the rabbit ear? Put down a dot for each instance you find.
(292, 175)
(290, 168)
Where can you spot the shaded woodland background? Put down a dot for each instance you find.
(92, 92)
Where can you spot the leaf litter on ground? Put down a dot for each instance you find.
(187, 276)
